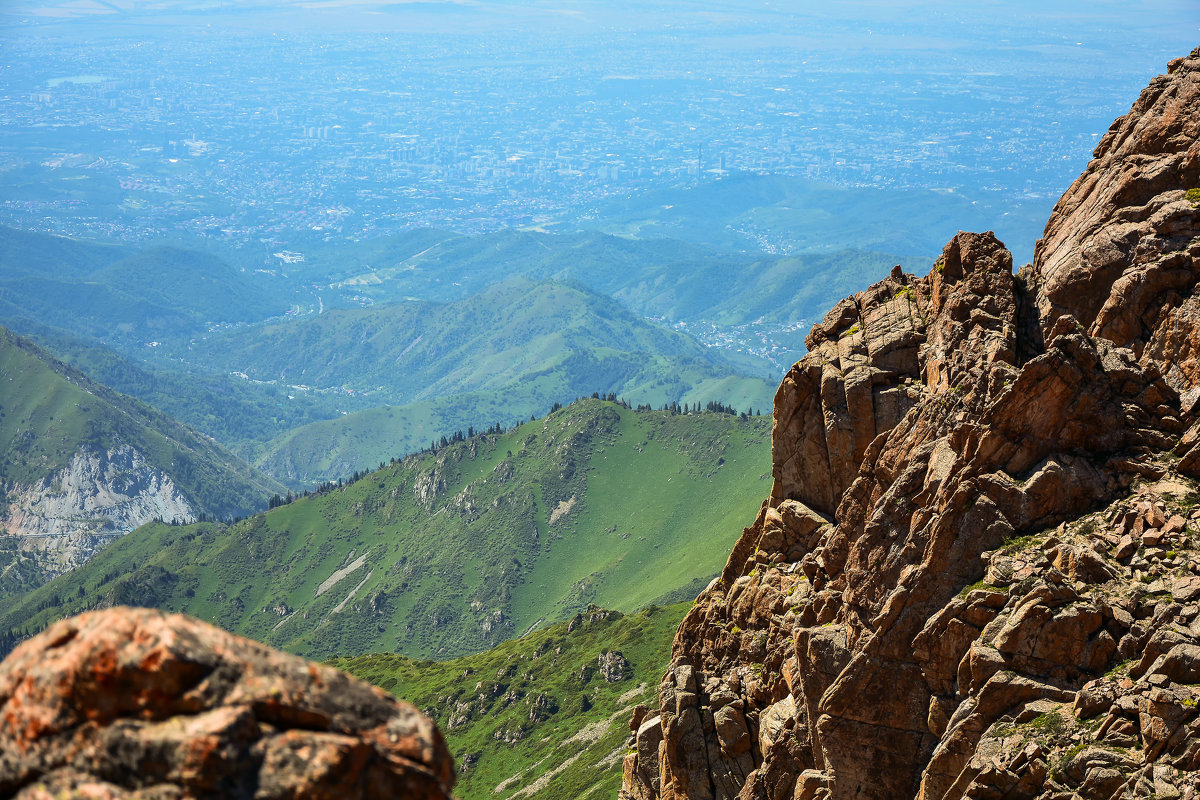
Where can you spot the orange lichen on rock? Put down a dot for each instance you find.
(139, 703)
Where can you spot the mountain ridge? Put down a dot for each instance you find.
(504, 355)
(455, 550)
(87, 289)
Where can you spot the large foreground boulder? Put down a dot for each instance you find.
(126, 703)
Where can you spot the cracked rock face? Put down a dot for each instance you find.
(136, 703)
(975, 574)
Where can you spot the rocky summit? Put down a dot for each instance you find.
(136, 703)
(978, 572)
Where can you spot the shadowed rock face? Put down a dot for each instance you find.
(138, 703)
(954, 555)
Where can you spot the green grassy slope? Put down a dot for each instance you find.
(509, 353)
(48, 411)
(326, 450)
(534, 717)
(240, 414)
(452, 552)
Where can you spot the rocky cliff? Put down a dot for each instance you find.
(81, 464)
(61, 520)
(116, 489)
(978, 571)
(135, 703)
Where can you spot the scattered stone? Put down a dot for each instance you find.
(1125, 548)
(613, 666)
(1176, 524)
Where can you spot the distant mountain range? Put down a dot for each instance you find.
(363, 351)
(123, 295)
(501, 354)
(790, 215)
(569, 338)
(667, 279)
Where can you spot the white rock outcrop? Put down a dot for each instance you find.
(100, 495)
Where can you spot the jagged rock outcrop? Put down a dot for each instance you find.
(944, 593)
(1119, 253)
(127, 703)
(613, 666)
